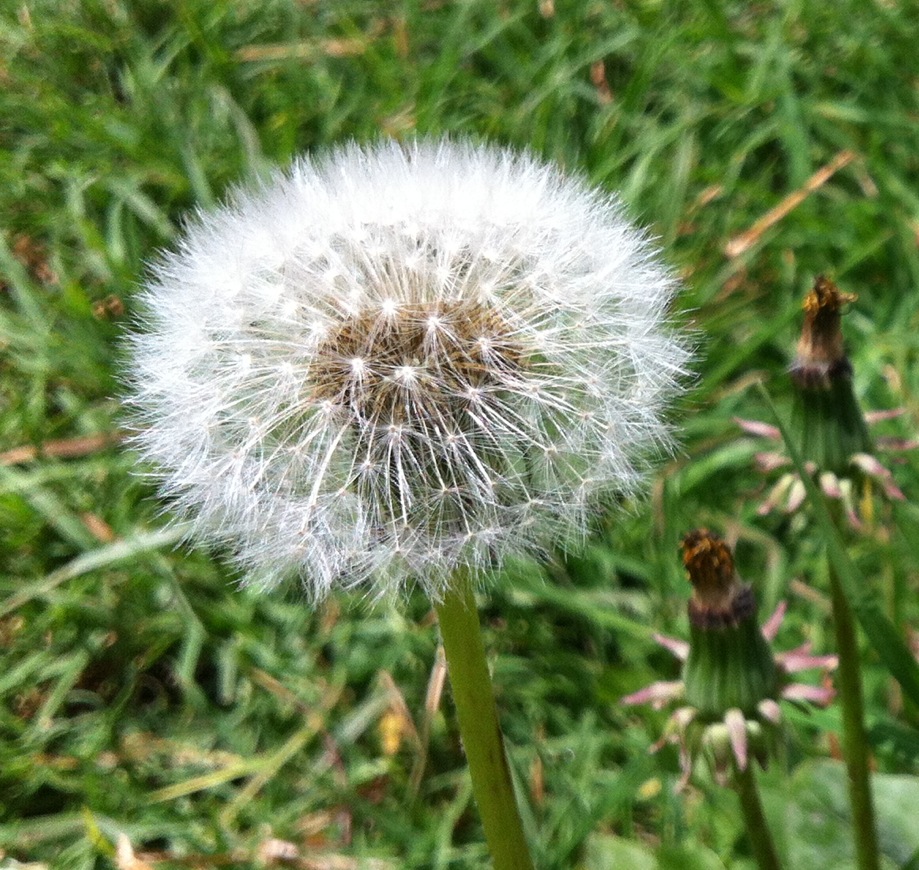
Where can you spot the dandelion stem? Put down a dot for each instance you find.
(478, 722)
(758, 831)
(854, 738)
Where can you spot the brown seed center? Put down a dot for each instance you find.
(386, 364)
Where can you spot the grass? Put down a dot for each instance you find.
(145, 696)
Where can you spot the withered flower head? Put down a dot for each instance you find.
(827, 422)
(732, 681)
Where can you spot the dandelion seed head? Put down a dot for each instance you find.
(397, 361)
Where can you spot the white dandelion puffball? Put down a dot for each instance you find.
(397, 361)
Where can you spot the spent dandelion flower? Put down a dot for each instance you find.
(733, 682)
(829, 424)
(395, 362)
(729, 711)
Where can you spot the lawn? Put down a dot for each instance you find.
(155, 714)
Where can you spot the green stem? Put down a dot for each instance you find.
(854, 737)
(758, 832)
(478, 722)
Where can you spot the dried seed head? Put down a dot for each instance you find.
(400, 361)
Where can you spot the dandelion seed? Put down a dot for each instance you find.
(409, 360)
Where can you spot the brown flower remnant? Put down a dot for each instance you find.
(716, 591)
(821, 355)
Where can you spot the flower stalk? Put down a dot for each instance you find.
(481, 733)
(832, 430)
(760, 836)
(854, 736)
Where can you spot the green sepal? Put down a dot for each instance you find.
(829, 425)
(729, 667)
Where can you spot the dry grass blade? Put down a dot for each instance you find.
(436, 683)
(67, 448)
(746, 240)
(302, 50)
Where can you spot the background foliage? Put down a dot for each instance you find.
(154, 713)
